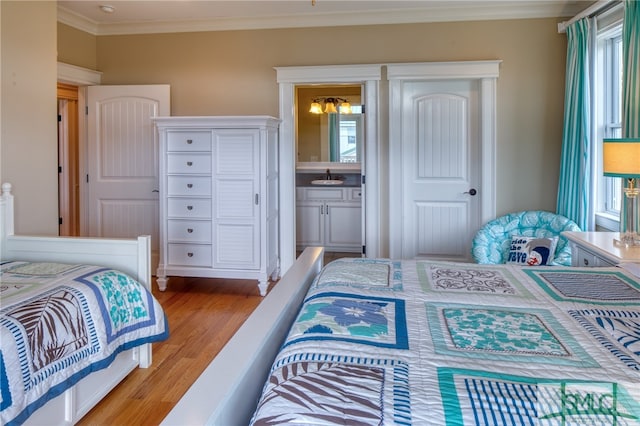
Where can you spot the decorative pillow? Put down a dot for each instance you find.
(532, 251)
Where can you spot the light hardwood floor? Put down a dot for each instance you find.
(203, 314)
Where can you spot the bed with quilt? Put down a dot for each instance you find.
(61, 322)
(424, 342)
(419, 342)
(76, 317)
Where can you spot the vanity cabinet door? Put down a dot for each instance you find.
(310, 223)
(343, 223)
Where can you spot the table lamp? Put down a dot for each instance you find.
(621, 158)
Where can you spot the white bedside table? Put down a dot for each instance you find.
(598, 249)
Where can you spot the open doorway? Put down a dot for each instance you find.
(329, 190)
(68, 163)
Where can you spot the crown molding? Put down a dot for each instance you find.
(77, 21)
(454, 11)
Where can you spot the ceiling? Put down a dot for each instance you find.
(152, 16)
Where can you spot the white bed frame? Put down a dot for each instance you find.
(131, 256)
(227, 392)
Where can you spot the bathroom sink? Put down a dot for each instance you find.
(327, 182)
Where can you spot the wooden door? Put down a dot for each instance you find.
(122, 161)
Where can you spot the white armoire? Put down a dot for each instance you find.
(219, 198)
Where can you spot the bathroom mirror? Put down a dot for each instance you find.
(329, 137)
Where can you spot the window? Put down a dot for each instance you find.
(608, 117)
(349, 135)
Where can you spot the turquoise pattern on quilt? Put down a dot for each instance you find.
(500, 331)
(123, 304)
(124, 296)
(489, 398)
(366, 320)
(503, 333)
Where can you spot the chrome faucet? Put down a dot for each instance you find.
(328, 174)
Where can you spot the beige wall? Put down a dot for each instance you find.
(76, 47)
(231, 72)
(28, 133)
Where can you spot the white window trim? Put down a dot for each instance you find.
(609, 24)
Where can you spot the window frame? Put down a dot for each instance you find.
(607, 109)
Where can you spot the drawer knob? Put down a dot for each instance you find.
(189, 207)
(189, 185)
(189, 163)
(189, 254)
(189, 141)
(190, 230)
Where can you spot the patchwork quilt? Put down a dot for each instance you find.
(59, 323)
(439, 343)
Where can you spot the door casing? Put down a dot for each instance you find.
(486, 74)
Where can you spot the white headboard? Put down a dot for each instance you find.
(130, 255)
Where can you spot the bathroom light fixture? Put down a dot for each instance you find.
(330, 106)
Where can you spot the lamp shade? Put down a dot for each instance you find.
(621, 157)
(330, 107)
(316, 108)
(345, 108)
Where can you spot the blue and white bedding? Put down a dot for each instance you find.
(60, 322)
(434, 343)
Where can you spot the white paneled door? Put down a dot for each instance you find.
(441, 168)
(122, 161)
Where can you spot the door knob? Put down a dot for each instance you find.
(472, 191)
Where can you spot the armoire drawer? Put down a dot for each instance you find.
(192, 231)
(189, 141)
(189, 186)
(190, 255)
(189, 163)
(199, 208)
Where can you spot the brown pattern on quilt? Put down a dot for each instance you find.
(54, 325)
(325, 392)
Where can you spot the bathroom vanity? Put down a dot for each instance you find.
(329, 209)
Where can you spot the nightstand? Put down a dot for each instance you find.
(598, 249)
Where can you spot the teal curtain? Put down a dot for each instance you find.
(630, 83)
(575, 181)
(334, 143)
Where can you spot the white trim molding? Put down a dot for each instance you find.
(161, 19)
(79, 76)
